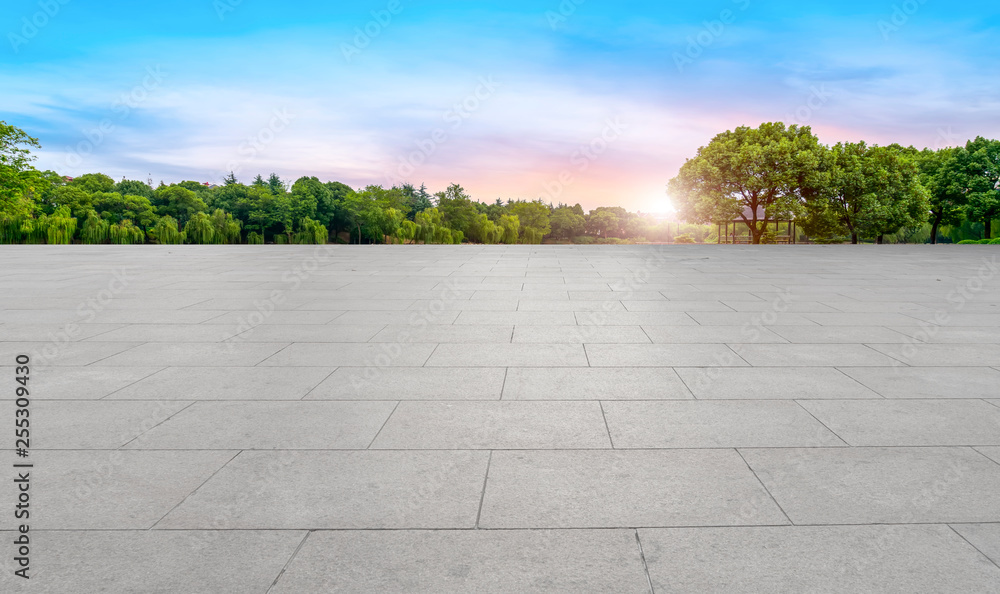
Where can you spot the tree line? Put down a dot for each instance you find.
(848, 191)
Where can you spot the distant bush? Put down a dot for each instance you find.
(254, 238)
(995, 241)
(969, 242)
(583, 240)
(684, 239)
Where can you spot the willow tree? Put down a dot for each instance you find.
(166, 233)
(94, 229)
(755, 175)
(126, 232)
(200, 229)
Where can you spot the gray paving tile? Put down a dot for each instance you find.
(676, 305)
(662, 355)
(580, 334)
(944, 334)
(508, 355)
(517, 318)
(286, 333)
(992, 453)
(111, 490)
(710, 335)
(269, 426)
(167, 333)
(59, 354)
(909, 422)
(416, 319)
(771, 383)
(752, 319)
(634, 318)
(937, 355)
(154, 561)
(411, 383)
(351, 355)
(607, 489)
(928, 382)
(80, 383)
(495, 425)
(985, 537)
(815, 559)
(836, 334)
(191, 354)
(573, 383)
(225, 383)
(862, 319)
(338, 490)
(442, 333)
(91, 424)
(812, 355)
(243, 320)
(467, 561)
(880, 485)
(714, 424)
(13, 332)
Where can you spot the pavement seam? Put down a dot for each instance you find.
(431, 355)
(503, 385)
(384, 423)
(306, 395)
(606, 427)
(289, 562)
(975, 449)
(809, 412)
(126, 349)
(861, 383)
(131, 384)
(182, 409)
(990, 559)
(763, 486)
(274, 354)
(645, 566)
(482, 496)
(195, 490)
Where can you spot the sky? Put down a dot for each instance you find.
(576, 101)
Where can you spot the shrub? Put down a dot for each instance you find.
(255, 238)
(95, 229)
(200, 229)
(165, 232)
(684, 239)
(125, 233)
(995, 241)
(969, 242)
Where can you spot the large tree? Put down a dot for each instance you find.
(534, 219)
(756, 175)
(19, 181)
(979, 164)
(939, 175)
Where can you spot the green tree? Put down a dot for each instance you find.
(979, 164)
(94, 182)
(457, 208)
(946, 191)
(177, 202)
(19, 181)
(749, 172)
(116, 208)
(133, 187)
(534, 220)
(510, 227)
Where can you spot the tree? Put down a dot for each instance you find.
(374, 212)
(306, 195)
(946, 191)
(566, 224)
(18, 179)
(177, 202)
(510, 227)
(603, 222)
(94, 182)
(134, 188)
(979, 164)
(277, 186)
(870, 191)
(457, 208)
(534, 219)
(417, 199)
(746, 173)
(117, 209)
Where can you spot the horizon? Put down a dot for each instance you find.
(502, 99)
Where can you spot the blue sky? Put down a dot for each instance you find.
(581, 101)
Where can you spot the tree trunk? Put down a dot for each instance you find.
(988, 225)
(879, 239)
(934, 228)
(854, 239)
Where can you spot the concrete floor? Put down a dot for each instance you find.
(523, 418)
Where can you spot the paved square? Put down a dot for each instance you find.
(506, 418)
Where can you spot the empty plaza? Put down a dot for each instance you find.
(505, 418)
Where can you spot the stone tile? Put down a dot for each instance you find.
(508, 355)
(495, 425)
(928, 382)
(836, 334)
(167, 333)
(338, 490)
(757, 319)
(517, 318)
(943, 334)
(80, 383)
(268, 426)
(306, 354)
(416, 319)
(286, 333)
(580, 334)
(154, 561)
(608, 489)
(243, 320)
(58, 354)
(711, 335)
(573, 383)
(812, 355)
(909, 422)
(467, 561)
(662, 355)
(767, 383)
(582, 306)
(714, 424)
(13, 332)
(676, 305)
(937, 355)
(985, 537)
(862, 319)
(334, 303)
(411, 383)
(634, 318)
(443, 333)
(993, 453)
(90, 424)
(815, 559)
(880, 485)
(225, 383)
(111, 490)
(192, 354)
